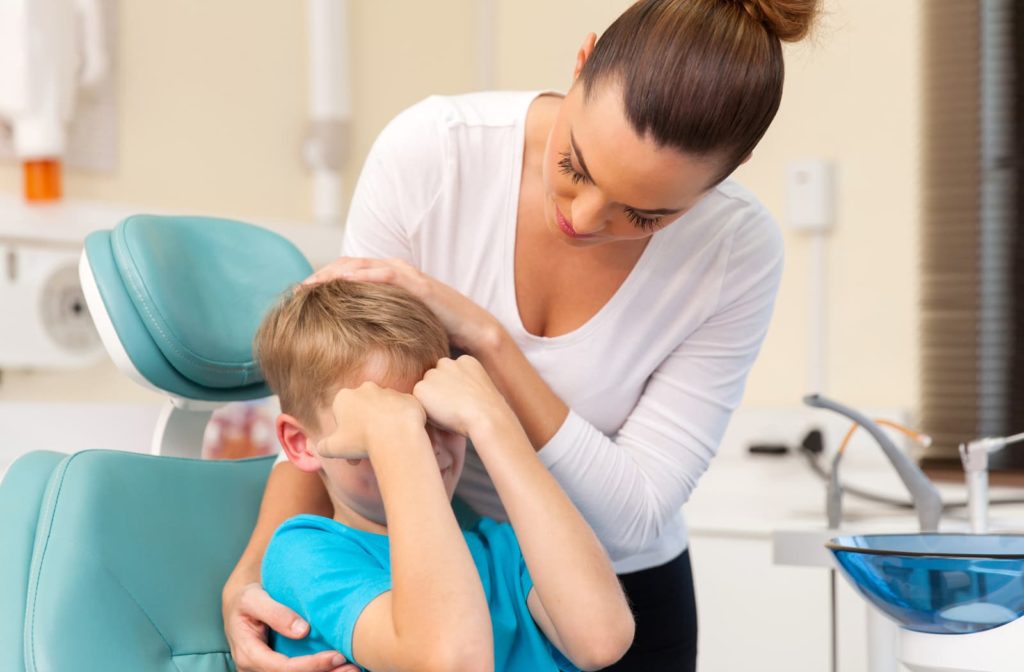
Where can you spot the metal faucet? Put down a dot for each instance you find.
(974, 456)
(924, 494)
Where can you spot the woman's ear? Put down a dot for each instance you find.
(296, 443)
(583, 54)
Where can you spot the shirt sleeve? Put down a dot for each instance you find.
(628, 486)
(324, 578)
(402, 177)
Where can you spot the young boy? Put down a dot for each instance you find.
(370, 401)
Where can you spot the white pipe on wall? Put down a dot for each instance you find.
(817, 322)
(327, 142)
(485, 44)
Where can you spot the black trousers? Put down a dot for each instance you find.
(666, 619)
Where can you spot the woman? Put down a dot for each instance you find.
(589, 251)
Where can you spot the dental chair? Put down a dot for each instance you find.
(115, 561)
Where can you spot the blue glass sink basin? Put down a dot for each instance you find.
(938, 583)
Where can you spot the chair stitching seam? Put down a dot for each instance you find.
(51, 504)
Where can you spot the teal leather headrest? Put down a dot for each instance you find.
(186, 295)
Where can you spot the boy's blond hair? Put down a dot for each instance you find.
(320, 337)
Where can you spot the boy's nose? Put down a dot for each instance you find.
(435, 441)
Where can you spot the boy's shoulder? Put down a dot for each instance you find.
(308, 540)
(319, 527)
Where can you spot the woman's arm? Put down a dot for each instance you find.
(247, 610)
(629, 485)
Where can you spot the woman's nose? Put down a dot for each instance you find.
(589, 213)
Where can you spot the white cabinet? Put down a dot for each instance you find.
(754, 615)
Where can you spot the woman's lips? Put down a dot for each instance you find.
(566, 227)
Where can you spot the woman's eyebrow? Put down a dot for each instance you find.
(583, 166)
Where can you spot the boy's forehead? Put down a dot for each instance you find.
(379, 369)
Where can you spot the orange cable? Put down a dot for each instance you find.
(920, 438)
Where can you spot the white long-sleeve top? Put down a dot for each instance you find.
(651, 379)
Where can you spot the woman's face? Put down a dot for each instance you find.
(603, 183)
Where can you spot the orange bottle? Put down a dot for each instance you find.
(42, 180)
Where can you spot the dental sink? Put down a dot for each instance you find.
(957, 597)
(938, 583)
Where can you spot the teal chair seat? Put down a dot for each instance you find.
(114, 562)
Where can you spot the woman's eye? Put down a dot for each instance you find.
(641, 222)
(565, 167)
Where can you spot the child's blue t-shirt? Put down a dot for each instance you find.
(328, 572)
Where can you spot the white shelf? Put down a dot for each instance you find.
(67, 223)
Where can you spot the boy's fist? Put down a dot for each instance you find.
(364, 414)
(457, 393)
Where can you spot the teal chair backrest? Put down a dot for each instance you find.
(114, 562)
(183, 297)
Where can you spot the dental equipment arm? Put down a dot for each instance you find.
(925, 496)
(974, 456)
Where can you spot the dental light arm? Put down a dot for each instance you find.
(926, 498)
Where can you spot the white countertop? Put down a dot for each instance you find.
(756, 495)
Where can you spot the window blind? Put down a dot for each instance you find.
(971, 274)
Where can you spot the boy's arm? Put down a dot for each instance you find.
(582, 607)
(579, 603)
(245, 606)
(435, 617)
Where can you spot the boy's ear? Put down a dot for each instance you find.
(296, 444)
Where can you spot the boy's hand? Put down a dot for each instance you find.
(457, 393)
(365, 413)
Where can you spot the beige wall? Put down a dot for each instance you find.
(852, 96)
(213, 104)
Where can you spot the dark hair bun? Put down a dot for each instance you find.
(789, 20)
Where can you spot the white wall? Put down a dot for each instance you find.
(213, 103)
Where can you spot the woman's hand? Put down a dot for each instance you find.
(247, 615)
(470, 327)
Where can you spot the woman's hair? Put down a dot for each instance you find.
(701, 76)
(321, 337)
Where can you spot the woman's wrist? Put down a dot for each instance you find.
(244, 574)
(485, 341)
